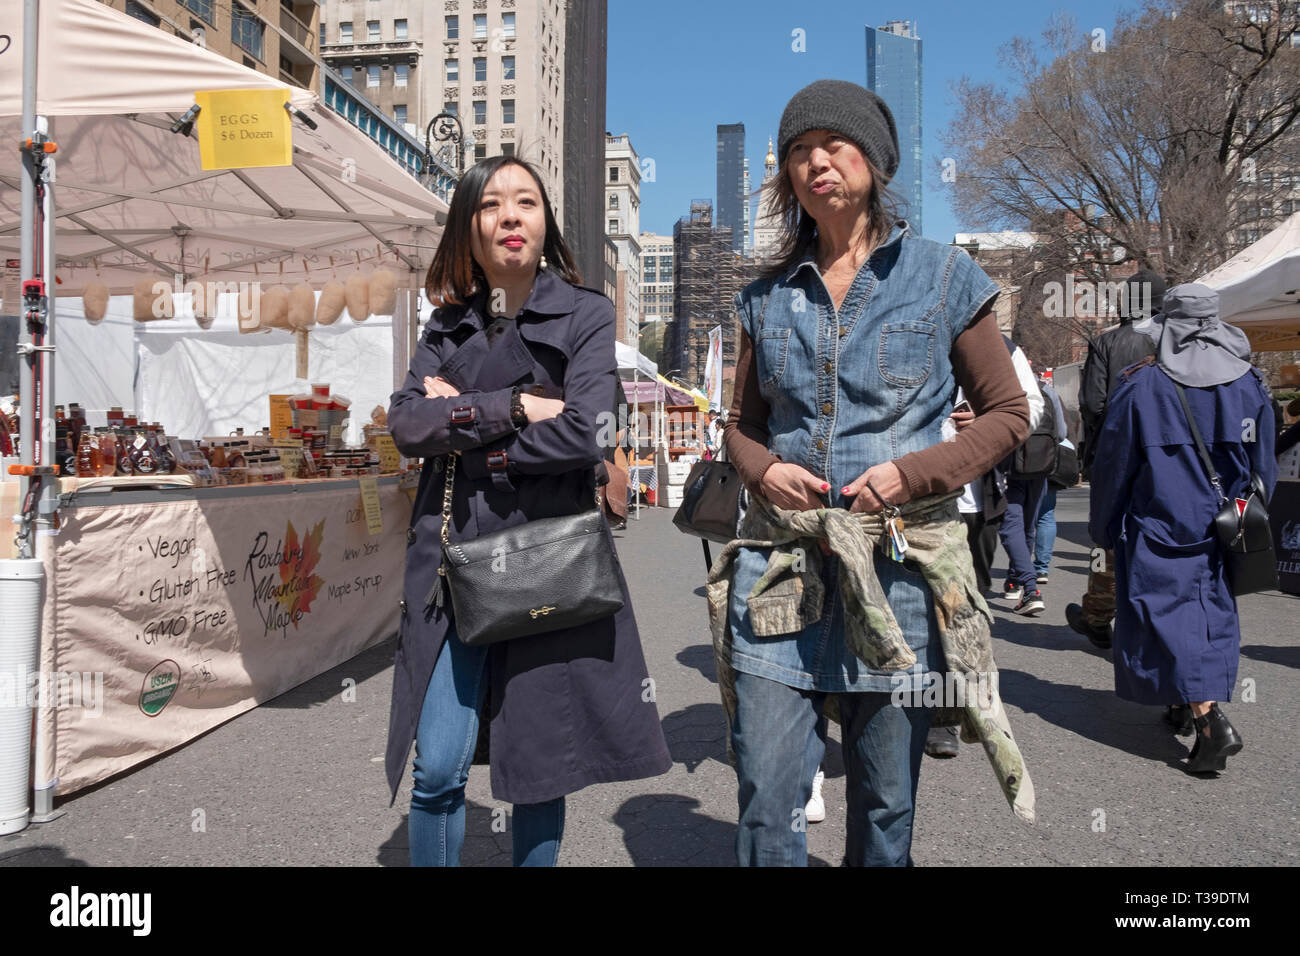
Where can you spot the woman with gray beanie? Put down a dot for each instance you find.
(852, 347)
(1177, 635)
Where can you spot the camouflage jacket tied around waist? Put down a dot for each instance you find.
(789, 597)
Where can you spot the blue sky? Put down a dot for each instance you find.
(677, 69)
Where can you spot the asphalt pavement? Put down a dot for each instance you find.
(300, 779)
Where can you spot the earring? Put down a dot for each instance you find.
(541, 263)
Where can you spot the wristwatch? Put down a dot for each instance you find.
(518, 417)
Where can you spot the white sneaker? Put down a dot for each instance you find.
(815, 812)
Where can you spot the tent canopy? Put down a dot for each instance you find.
(631, 360)
(655, 391)
(132, 199)
(1259, 289)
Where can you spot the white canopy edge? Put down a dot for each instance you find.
(1261, 284)
(630, 359)
(92, 58)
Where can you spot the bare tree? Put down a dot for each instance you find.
(1161, 145)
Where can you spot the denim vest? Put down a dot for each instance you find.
(846, 391)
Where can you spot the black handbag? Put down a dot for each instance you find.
(1241, 525)
(540, 576)
(711, 503)
(1066, 475)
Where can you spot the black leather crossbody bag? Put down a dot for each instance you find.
(1245, 538)
(540, 576)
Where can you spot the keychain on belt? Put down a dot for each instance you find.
(892, 541)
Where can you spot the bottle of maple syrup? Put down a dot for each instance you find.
(88, 457)
(144, 460)
(123, 464)
(107, 451)
(166, 460)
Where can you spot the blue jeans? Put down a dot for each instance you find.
(444, 748)
(779, 744)
(1018, 528)
(1045, 533)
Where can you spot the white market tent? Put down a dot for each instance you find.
(1259, 289)
(132, 201)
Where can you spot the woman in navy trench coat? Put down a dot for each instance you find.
(1176, 628)
(515, 339)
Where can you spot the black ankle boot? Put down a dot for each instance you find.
(1211, 752)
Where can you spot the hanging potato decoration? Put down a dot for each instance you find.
(275, 307)
(357, 292)
(332, 299)
(302, 307)
(94, 302)
(153, 299)
(383, 291)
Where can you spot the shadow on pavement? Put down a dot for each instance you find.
(1096, 715)
(1037, 633)
(700, 657)
(1269, 654)
(695, 734)
(38, 856)
(665, 829)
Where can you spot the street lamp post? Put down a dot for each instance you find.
(443, 128)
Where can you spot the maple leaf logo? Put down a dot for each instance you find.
(300, 584)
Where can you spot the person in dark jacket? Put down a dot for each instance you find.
(1177, 634)
(506, 386)
(1108, 356)
(1112, 352)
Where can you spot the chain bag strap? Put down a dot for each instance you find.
(536, 577)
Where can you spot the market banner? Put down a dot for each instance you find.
(1284, 515)
(713, 369)
(173, 617)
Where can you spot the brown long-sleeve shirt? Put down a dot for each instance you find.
(981, 366)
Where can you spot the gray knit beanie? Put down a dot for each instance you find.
(846, 108)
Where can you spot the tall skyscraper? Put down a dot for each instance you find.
(586, 29)
(894, 74)
(623, 225)
(731, 183)
(767, 227)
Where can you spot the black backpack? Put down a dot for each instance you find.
(1037, 456)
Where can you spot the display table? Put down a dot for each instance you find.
(168, 612)
(1284, 516)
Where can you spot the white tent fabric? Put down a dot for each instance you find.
(131, 197)
(1259, 289)
(132, 201)
(631, 360)
(202, 383)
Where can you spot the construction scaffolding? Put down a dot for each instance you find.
(708, 276)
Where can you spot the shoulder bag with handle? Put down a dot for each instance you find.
(1241, 525)
(713, 500)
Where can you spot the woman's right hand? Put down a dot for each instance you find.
(540, 409)
(793, 488)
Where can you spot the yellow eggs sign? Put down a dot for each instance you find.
(239, 128)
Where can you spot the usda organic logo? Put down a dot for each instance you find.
(160, 686)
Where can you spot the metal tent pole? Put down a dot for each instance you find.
(27, 260)
(636, 437)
